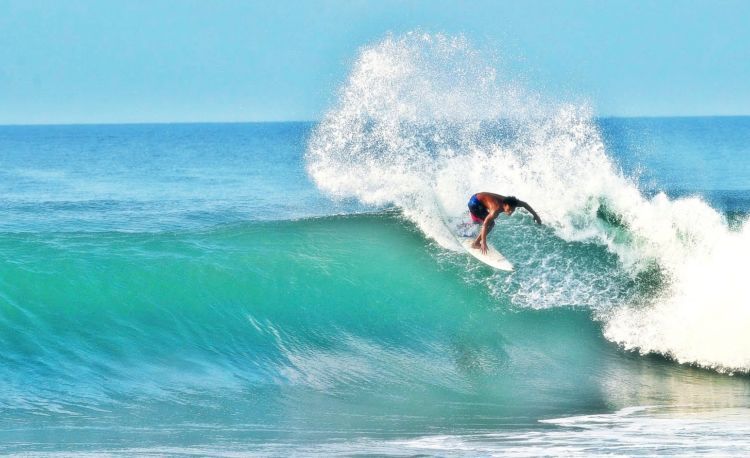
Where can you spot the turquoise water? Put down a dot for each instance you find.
(143, 317)
(295, 288)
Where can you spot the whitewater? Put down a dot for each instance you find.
(423, 122)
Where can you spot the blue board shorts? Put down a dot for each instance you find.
(477, 211)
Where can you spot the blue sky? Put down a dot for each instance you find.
(78, 61)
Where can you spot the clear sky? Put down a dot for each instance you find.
(79, 61)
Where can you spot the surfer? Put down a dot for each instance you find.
(484, 207)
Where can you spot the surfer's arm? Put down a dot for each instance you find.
(528, 208)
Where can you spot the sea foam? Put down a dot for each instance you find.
(424, 121)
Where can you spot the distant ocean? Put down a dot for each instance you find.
(293, 288)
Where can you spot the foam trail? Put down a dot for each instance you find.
(424, 121)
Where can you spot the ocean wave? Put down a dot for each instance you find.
(424, 121)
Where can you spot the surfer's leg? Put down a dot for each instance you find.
(476, 220)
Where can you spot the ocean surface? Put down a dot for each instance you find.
(295, 289)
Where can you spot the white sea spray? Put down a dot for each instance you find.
(425, 120)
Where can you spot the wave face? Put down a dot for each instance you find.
(424, 121)
(266, 337)
(251, 334)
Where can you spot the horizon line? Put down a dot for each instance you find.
(311, 121)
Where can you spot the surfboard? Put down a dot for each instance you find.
(465, 233)
(493, 257)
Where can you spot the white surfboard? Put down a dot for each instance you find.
(493, 257)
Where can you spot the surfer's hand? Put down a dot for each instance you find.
(537, 219)
(483, 246)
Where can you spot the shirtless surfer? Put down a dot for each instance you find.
(484, 208)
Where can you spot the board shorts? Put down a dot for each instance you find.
(477, 211)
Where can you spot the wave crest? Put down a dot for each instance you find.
(424, 121)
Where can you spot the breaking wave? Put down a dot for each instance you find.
(424, 121)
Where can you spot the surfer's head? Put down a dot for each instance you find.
(509, 205)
